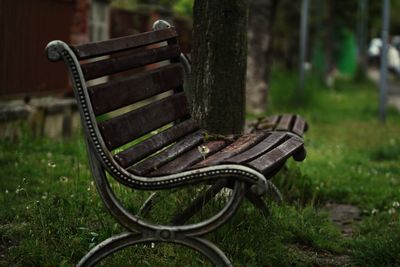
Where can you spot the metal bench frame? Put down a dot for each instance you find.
(247, 181)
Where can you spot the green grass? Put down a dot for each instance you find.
(51, 215)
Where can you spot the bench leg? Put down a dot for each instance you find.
(201, 201)
(197, 204)
(150, 202)
(274, 192)
(108, 247)
(259, 203)
(188, 235)
(116, 243)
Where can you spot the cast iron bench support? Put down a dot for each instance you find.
(177, 154)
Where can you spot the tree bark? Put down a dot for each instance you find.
(261, 19)
(219, 65)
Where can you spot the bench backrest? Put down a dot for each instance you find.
(152, 92)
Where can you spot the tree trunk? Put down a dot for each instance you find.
(261, 18)
(219, 65)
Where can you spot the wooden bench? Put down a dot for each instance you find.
(156, 145)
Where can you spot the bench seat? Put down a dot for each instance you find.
(263, 150)
(138, 129)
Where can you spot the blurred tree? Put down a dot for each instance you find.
(362, 26)
(286, 33)
(182, 7)
(125, 4)
(261, 18)
(219, 65)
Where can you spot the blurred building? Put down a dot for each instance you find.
(27, 26)
(32, 88)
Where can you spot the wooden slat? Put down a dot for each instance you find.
(135, 88)
(189, 158)
(266, 124)
(149, 146)
(268, 143)
(129, 126)
(169, 154)
(125, 62)
(123, 43)
(273, 119)
(299, 126)
(277, 155)
(239, 146)
(284, 123)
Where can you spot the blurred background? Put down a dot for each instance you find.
(341, 40)
(318, 58)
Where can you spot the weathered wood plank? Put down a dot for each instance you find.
(189, 158)
(299, 126)
(273, 120)
(240, 145)
(271, 159)
(268, 143)
(125, 62)
(266, 124)
(115, 45)
(149, 146)
(129, 126)
(129, 90)
(169, 154)
(284, 123)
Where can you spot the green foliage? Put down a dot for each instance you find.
(51, 214)
(125, 4)
(378, 243)
(181, 7)
(184, 7)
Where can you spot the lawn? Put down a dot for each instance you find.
(51, 215)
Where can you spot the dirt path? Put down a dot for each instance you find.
(345, 218)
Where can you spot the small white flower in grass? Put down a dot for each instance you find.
(44, 196)
(396, 204)
(391, 211)
(63, 179)
(374, 211)
(6, 191)
(153, 245)
(51, 164)
(19, 189)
